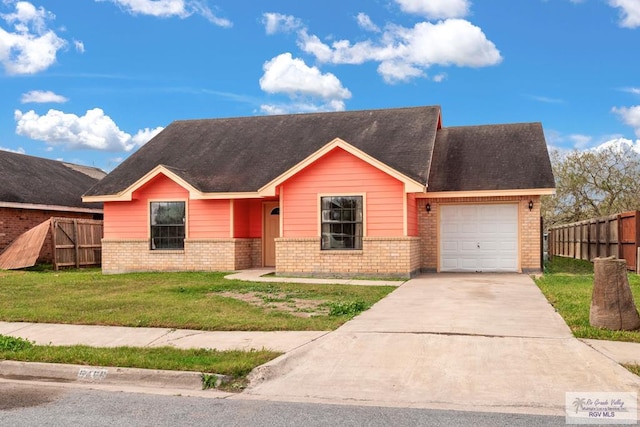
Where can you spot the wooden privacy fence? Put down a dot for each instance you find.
(76, 242)
(615, 235)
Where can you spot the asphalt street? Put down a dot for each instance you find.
(25, 404)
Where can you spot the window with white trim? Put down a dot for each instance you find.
(341, 222)
(167, 225)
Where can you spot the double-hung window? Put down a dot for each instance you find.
(167, 225)
(341, 222)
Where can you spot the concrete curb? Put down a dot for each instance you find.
(64, 373)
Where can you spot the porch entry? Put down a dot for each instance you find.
(271, 230)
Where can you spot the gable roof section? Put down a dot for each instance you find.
(28, 180)
(491, 158)
(410, 185)
(243, 155)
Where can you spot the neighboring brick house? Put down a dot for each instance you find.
(33, 189)
(363, 193)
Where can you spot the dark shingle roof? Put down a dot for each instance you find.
(244, 154)
(34, 180)
(494, 157)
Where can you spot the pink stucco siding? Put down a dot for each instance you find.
(208, 219)
(341, 173)
(130, 220)
(247, 218)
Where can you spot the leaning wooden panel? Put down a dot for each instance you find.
(25, 250)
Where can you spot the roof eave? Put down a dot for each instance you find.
(489, 193)
(56, 208)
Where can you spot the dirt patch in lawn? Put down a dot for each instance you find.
(281, 301)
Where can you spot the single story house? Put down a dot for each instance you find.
(387, 192)
(34, 189)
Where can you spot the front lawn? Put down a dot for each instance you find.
(234, 363)
(203, 301)
(568, 285)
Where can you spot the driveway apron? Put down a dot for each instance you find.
(481, 342)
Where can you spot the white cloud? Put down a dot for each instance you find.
(620, 144)
(439, 77)
(79, 46)
(394, 72)
(629, 11)
(171, 8)
(278, 23)
(295, 79)
(629, 116)
(436, 9)
(41, 96)
(32, 47)
(546, 99)
(301, 107)
(144, 135)
(453, 42)
(18, 150)
(633, 90)
(580, 141)
(365, 22)
(94, 130)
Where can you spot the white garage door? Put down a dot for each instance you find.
(479, 238)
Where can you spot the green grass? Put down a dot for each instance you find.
(568, 285)
(633, 368)
(171, 300)
(234, 363)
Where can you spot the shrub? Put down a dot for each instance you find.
(347, 308)
(14, 343)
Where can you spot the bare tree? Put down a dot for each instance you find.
(593, 183)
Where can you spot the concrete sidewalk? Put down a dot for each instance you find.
(115, 336)
(263, 275)
(484, 342)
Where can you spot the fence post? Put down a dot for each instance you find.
(76, 249)
(607, 237)
(636, 218)
(54, 250)
(620, 249)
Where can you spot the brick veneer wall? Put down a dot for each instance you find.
(379, 257)
(129, 255)
(14, 222)
(529, 232)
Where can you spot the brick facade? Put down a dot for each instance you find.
(14, 222)
(379, 257)
(529, 232)
(130, 255)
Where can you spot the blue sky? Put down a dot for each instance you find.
(91, 81)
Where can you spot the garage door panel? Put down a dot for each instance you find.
(468, 246)
(449, 228)
(449, 264)
(468, 228)
(497, 228)
(479, 237)
(449, 246)
(468, 264)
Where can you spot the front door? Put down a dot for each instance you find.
(271, 230)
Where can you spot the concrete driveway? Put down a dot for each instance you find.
(481, 342)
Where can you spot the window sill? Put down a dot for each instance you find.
(347, 252)
(166, 251)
